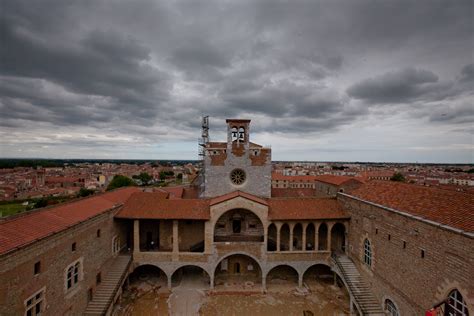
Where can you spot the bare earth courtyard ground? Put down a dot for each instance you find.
(191, 297)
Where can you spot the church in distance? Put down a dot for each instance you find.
(396, 248)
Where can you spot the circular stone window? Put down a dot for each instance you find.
(237, 176)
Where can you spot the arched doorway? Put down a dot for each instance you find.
(282, 278)
(320, 279)
(150, 275)
(298, 237)
(238, 272)
(191, 276)
(238, 225)
(272, 238)
(310, 235)
(338, 238)
(323, 237)
(284, 237)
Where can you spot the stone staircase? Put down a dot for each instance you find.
(359, 289)
(106, 290)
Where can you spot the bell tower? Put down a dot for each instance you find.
(236, 165)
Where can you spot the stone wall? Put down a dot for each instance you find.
(18, 281)
(398, 271)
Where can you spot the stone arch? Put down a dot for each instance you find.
(272, 237)
(149, 272)
(297, 237)
(323, 236)
(447, 286)
(191, 273)
(285, 274)
(240, 225)
(466, 309)
(338, 237)
(241, 269)
(285, 237)
(310, 237)
(386, 299)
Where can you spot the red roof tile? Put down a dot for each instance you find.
(152, 205)
(294, 192)
(235, 194)
(336, 180)
(305, 208)
(28, 227)
(451, 208)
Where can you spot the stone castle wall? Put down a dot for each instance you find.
(398, 270)
(18, 281)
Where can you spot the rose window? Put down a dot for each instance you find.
(237, 176)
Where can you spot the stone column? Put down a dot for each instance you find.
(329, 236)
(292, 225)
(264, 283)
(169, 283)
(278, 227)
(316, 236)
(300, 280)
(175, 240)
(136, 236)
(305, 225)
(208, 237)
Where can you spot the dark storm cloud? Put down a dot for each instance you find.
(467, 73)
(145, 68)
(395, 87)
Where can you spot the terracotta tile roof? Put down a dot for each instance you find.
(281, 177)
(235, 194)
(152, 205)
(305, 208)
(28, 227)
(337, 180)
(174, 192)
(294, 192)
(455, 209)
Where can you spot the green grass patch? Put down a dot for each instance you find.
(10, 209)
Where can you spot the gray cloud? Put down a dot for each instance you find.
(143, 69)
(395, 87)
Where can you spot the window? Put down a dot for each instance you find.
(422, 253)
(115, 245)
(37, 267)
(390, 308)
(98, 233)
(73, 274)
(456, 305)
(404, 244)
(376, 231)
(367, 253)
(34, 305)
(237, 176)
(73, 246)
(389, 237)
(98, 278)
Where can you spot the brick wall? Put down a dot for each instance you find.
(18, 282)
(399, 272)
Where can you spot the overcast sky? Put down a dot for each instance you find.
(331, 80)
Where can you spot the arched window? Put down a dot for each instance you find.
(456, 304)
(367, 253)
(390, 308)
(241, 134)
(234, 133)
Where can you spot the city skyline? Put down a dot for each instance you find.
(321, 81)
